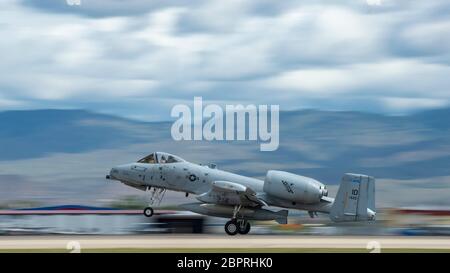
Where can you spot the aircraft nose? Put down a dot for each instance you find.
(113, 174)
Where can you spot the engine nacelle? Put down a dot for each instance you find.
(292, 187)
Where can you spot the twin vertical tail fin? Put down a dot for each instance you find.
(355, 200)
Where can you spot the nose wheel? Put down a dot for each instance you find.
(148, 212)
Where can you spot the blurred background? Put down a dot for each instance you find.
(84, 220)
(363, 86)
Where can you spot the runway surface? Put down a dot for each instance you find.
(220, 242)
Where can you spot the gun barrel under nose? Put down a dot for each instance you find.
(112, 174)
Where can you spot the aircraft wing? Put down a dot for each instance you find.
(230, 193)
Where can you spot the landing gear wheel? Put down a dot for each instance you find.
(231, 227)
(148, 212)
(243, 227)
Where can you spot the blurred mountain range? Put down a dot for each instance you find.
(63, 155)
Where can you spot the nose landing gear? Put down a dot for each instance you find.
(156, 196)
(235, 226)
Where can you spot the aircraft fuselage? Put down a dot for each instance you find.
(197, 179)
(180, 176)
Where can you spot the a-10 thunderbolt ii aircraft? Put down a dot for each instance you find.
(241, 198)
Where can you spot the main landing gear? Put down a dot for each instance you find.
(156, 196)
(235, 226)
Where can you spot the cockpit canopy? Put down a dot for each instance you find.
(160, 158)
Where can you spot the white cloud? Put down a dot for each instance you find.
(429, 37)
(10, 104)
(68, 87)
(314, 81)
(400, 76)
(303, 51)
(398, 104)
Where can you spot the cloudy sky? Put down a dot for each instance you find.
(138, 58)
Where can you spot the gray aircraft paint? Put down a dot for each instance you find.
(184, 176)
